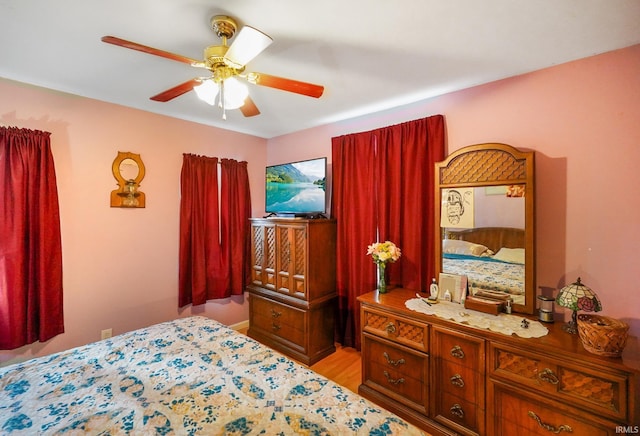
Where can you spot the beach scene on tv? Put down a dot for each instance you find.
(297, 187)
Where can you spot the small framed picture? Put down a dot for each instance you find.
(455, 284)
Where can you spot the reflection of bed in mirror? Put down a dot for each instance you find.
(492, 258)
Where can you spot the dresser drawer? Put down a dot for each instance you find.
(452, 410)
(459, 348)
(459, 380)
(396, 371)
(602, 392)
(278, 320)
(521, 413)
(400, 330)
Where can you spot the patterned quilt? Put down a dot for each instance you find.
(191, 376)
(484, 274)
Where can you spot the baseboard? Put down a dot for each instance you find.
(242, 325)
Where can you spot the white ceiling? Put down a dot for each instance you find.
(370, 55)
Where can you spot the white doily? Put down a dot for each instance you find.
(502, 323)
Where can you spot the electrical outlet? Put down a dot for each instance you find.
(106, 333)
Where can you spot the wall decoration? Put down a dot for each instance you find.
(515, 191)
(128, 171)
(457, 208)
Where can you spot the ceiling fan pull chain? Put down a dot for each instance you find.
(224, 109)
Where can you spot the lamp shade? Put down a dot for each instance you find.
(235, 92)
(577, 296)
(207, 91)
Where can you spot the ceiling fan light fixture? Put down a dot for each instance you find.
(207, 91)
(235, 93)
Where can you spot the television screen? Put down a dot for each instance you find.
(297, 188)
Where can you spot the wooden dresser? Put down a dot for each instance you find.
(449, 378)
(292, 290)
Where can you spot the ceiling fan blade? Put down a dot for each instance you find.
(247, 44)
(177, 91)
(150, 50)
(308, 89)
(249, 108)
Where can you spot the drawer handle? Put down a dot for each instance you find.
(275, 313)
(457, 352)
(391, 328)
(549, 427)
(456, 410)
(456, 380)
(548, 376)
(393, 362)
(393, 381)
(275, 327)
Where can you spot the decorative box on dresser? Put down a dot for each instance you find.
(451, 378)
(292, 290)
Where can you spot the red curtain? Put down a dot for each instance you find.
(214, 231)
(383, 183)
(236, 211)
(30, 244)
(407, 154)
(353, 200)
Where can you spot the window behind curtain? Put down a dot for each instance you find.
(214, 229)
(383, 183)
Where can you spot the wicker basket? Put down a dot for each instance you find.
(602, 335)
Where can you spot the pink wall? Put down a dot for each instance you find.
(121, 265)
(583, 120)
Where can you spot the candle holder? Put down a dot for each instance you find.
(545, 311)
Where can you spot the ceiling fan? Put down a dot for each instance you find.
(226, 64)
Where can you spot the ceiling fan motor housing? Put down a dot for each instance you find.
(224, 26)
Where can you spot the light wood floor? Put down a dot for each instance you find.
(343, 367)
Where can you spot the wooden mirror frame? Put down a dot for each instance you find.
(119, 195)
(492, 164)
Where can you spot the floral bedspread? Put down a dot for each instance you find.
(483, 274)
(191, 376)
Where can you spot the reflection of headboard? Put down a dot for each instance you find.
(492, 237)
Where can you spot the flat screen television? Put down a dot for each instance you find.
(297, 188)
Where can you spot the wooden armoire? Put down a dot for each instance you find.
(292, 291)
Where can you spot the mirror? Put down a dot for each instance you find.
(128, 171)
(485, 210)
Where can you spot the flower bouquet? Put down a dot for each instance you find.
(381, 253)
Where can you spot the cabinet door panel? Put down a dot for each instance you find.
(597, 390)
(263, 265)
(519, 413)
(291, 276)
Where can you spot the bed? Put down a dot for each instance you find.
(191, 376)
(492, 258)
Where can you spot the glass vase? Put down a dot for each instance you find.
(382, 283)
